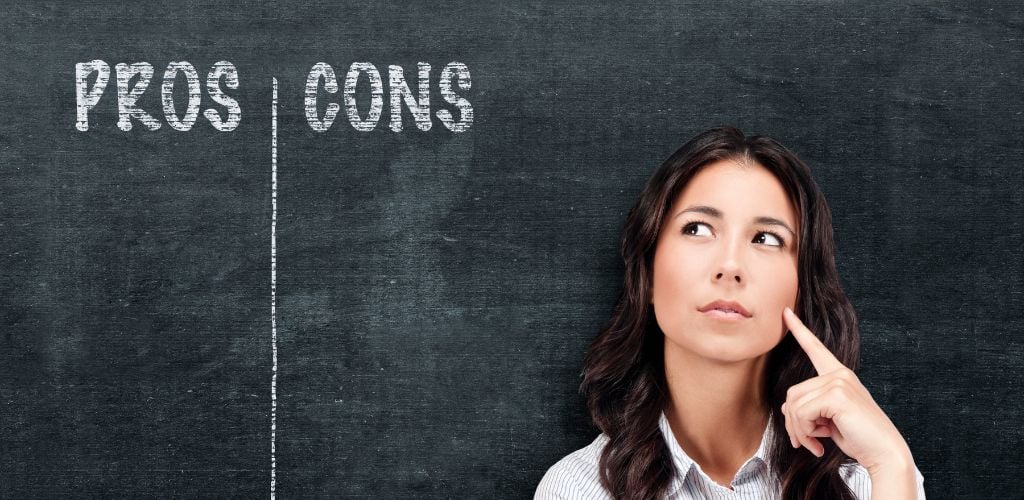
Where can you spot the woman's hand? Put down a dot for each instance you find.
(836, 405)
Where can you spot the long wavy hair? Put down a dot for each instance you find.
(623, 375)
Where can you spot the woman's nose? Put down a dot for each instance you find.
(729, 274)
(729, 266)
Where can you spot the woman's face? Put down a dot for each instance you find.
(728, 237)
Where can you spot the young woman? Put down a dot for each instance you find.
(726, 370)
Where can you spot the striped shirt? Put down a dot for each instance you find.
(576, 475)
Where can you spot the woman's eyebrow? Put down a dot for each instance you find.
(714, 212)
(772, 221)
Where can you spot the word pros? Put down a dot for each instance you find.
(127, 97)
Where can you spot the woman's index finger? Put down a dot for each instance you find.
(822, 358)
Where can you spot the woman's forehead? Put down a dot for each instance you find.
(735, 191)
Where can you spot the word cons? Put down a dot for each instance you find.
(453, 74)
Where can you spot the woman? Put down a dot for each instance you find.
(704, 383)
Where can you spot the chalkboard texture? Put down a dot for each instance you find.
(429, 293)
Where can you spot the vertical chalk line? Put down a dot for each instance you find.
(273, 290)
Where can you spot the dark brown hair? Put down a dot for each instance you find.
(623, 374)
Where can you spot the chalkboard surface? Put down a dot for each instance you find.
(409, 309)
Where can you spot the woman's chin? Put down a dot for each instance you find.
(718, 344)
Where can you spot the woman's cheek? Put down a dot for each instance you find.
(785, 297)
(670, 282)
(670, 303)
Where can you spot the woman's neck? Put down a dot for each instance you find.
(717, 410)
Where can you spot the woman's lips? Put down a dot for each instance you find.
(724, 315)
(726, 305)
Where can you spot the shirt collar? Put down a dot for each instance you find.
(684, 463)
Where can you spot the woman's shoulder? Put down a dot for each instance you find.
(576, 475)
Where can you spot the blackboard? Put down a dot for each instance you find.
(430, 293)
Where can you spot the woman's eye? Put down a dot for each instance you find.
(770, 237)
(692, 228)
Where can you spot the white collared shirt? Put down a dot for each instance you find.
(576, 475)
